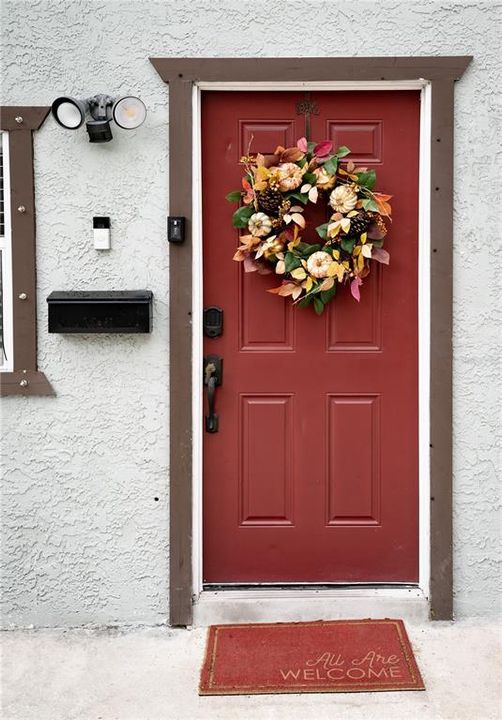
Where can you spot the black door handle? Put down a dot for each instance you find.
(213, 375)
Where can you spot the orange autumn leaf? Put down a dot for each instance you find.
(249, 196)
(248, 244)
(292, 154)
(383, 206)
(284, 290)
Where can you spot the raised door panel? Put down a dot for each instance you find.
(266, 466)
(265, 135)
(353, 460)
(363, 137)
(264, 324)
(357, 327)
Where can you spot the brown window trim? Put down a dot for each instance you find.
(181, 74)
(25, 379)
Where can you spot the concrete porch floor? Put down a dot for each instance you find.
(152, 674)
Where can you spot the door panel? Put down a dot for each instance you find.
(353, 472)
(313, 475)
(355, 326)
(363, 137)
(264, 502)
(276, 333)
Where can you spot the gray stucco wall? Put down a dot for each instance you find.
(84, 539)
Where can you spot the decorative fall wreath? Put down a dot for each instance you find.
(278, 188)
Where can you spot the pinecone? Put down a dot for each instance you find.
(359, 223)
(270, 201)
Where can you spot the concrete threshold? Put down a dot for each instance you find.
(283, 605)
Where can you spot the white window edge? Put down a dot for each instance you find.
(423, 585)
(7, 359)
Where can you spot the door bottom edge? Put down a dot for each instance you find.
(304, 586)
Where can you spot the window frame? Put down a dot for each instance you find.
(7, 349)
(23, 376)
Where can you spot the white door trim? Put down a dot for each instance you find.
(421, 591)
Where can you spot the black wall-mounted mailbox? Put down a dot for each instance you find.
(110, 311)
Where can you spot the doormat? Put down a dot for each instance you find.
(335, 656)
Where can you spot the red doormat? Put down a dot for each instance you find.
(337, 656)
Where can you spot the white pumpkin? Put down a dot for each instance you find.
(343, 199)
(319, 263)
(259, 224)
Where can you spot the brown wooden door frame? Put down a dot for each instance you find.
(181, 74)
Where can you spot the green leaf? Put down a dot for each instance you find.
(301, 197)
(370, 204)
(305, 249)
(291, 262)
(310, 178)
(318, 305)
(302, 162)
(241, 216)
(327, 295)
(348, 244)
(322, 231)
(234, 196)
(331, 165)
(367, 179)
(342, 151)
(305, 301)
(376, 243)
(310, 147)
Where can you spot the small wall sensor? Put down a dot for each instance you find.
(101, 231)
(175, 229)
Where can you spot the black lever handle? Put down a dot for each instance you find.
(212, 418)
(213, 374)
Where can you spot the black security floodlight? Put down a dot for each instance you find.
(68, 112)
(128, 112)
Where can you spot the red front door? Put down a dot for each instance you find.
(313, 474)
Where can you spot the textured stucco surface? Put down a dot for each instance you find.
(84, 538)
